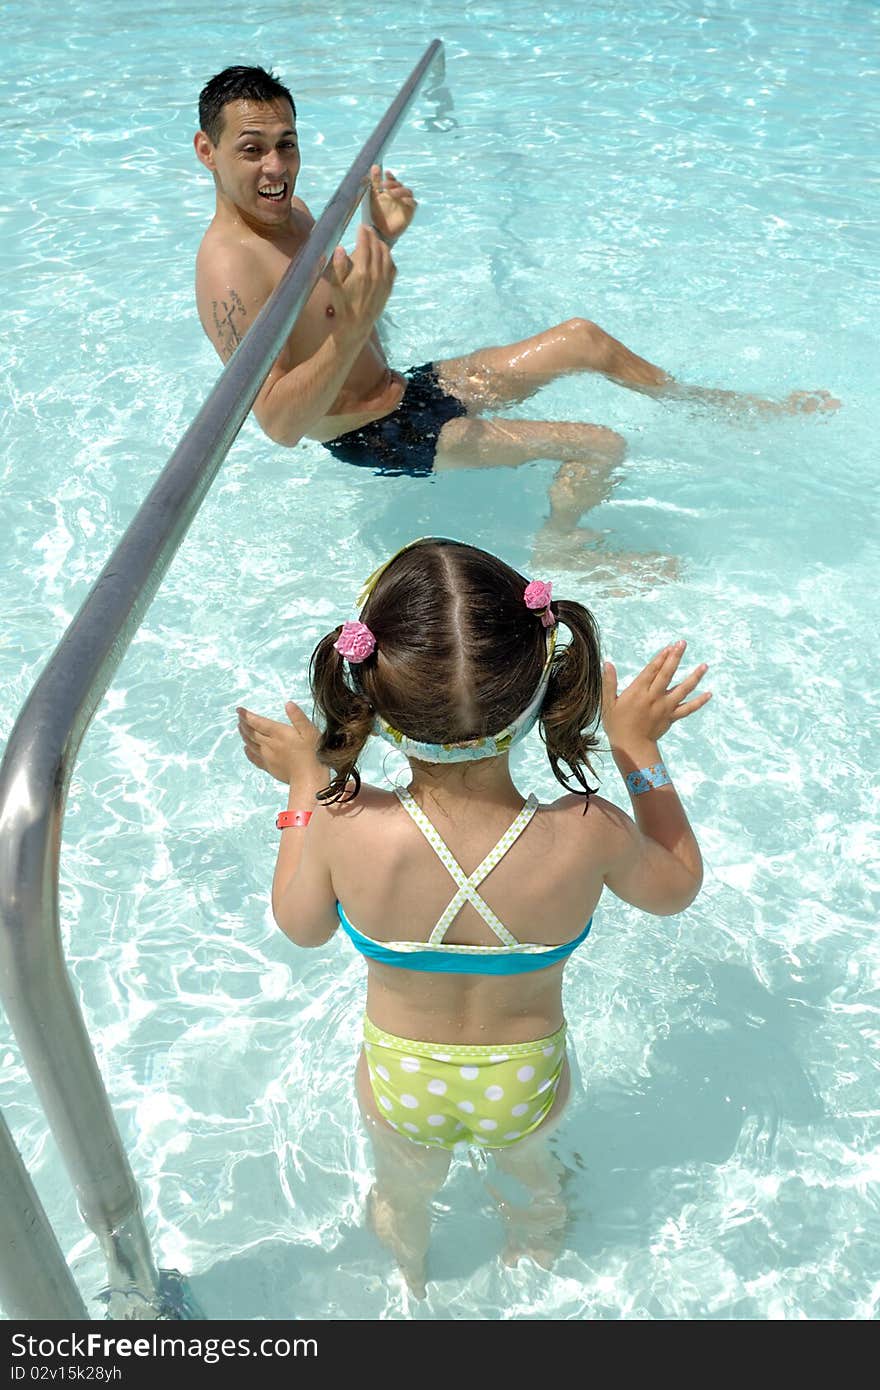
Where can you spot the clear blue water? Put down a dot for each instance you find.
(699, 178)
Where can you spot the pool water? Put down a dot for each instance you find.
(700, 179)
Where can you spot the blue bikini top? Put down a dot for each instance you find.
(512, 957)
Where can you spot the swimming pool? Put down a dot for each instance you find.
(696, 178)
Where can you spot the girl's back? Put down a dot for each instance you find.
(393, 886)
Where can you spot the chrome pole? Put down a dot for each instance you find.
(35, 1282)
(42, 749)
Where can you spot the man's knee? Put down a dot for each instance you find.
(611, 444)
(592, 339)
(462, 435)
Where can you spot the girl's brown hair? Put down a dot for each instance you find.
(458, 656)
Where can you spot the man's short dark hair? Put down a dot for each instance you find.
(237, 84)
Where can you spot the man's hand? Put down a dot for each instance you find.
(392, 206)
(361, 284)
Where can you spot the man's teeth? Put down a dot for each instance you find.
(272, 190)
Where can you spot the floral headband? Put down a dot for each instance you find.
(356, 642)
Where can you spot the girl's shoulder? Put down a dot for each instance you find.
(368, 801)
(365, 825)
(597, 820)
(575, 804)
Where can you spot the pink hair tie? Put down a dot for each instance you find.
(538, 595)
(355, 642)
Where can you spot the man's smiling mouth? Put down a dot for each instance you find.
(273, 192)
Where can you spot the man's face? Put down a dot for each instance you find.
(256, 159)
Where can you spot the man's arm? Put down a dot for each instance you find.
(296, 395)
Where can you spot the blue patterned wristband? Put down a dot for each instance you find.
(647, 778)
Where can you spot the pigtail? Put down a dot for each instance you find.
(573, 703)
(347, 717)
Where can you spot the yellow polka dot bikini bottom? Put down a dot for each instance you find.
(443, 1094)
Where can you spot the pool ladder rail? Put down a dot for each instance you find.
(35, 1280)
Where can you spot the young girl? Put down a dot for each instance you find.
(466, 897)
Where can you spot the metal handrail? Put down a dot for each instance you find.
(42, 748)
(35, 1281)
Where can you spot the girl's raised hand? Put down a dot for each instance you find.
(285, 751)
(650, 704)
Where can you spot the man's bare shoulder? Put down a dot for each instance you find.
(233, 283)
(227, 252)
(230, 239)
(238, 269)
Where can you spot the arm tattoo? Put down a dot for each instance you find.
(228, 335)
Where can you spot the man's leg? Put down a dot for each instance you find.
(588, 455)
(497, 376)
(407, 1176)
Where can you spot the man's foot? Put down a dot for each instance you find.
(386, 1223)
(585, 552)
(579, 485)
(808, 402)
(743, 403)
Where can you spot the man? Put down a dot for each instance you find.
(332, 381)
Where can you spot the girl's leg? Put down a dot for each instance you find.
(407, 1176)
(536, 1226)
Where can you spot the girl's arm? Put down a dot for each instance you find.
(655, 862)
(303, 899)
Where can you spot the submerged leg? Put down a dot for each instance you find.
(407, 1176)
(536, 1226)
(588, 454)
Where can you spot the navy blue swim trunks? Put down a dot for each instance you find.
(403, 443)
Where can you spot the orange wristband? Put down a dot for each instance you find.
(286, 818)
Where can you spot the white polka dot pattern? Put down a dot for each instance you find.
(465, 1094)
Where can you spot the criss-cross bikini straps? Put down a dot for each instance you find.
(468, 883)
